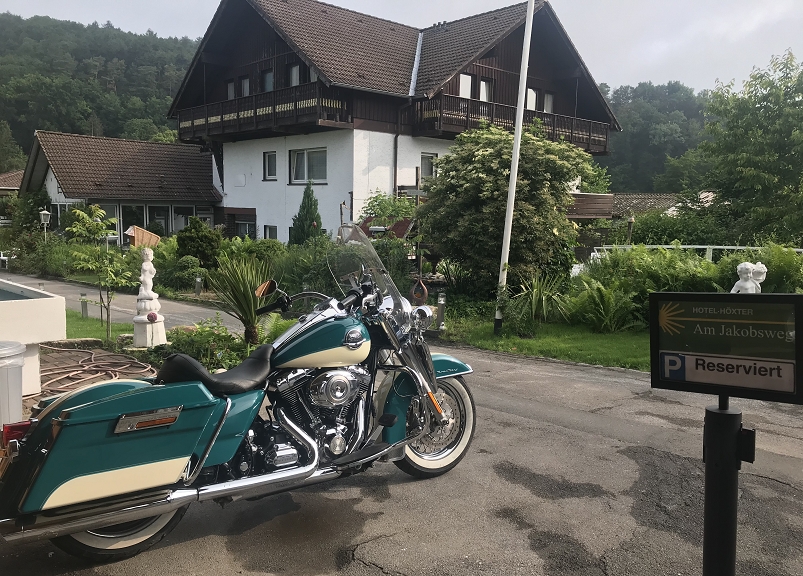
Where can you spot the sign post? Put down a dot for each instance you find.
(740, 345)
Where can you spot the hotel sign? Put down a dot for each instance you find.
(740, 345)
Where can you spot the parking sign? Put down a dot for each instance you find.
(741, 345)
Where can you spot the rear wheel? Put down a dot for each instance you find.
(442, 448)
(121, 541)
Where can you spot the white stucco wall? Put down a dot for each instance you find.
(358, 161)
(276, 201)
(373, 162)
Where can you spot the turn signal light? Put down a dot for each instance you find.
(16, 431)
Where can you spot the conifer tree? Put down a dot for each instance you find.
(307, 223)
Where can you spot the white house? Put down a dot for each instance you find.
(290, 91)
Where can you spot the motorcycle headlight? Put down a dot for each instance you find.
(423, 316)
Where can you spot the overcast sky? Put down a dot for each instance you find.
(621, 41)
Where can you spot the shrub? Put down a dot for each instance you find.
(784, 268)
(266, 249)
(538, 300)
(307, 223)
(395, 255)
(604, 310)
(640, 271)
(200, 241)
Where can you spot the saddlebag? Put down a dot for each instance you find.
(130, 441)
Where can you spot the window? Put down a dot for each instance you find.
(267, 80)
(229, 89)
(295, 75)
(245, 86)
(549, 100)
(243, 229)
(181, 217)
(466, 81)
(205, 215)
(486, 90)
(111, 212)
(307, 165)
(269, 165)
(132, 216)
(427, 169)
(271, 232)
(313, 75)
(531, 103)
(160, 214)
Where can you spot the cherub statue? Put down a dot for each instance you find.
(147, 272)
(759, 275)
(750, 278)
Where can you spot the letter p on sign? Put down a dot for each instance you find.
(673, 367)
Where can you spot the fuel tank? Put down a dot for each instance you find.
(324, 343)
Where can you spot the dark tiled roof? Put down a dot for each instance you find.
(93, 167)
(349, 48)
(11, 179)
(450, 46)
(629, 204)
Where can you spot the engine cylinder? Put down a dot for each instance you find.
(334, 388)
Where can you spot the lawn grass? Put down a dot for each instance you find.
(79, 327)
(573, 343)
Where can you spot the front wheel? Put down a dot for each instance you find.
(120, 541)
(442, 448)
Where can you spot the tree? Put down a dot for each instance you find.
(91, 226)
(200, 241)
(307, 223)
(756, 148)
(658, 122)
(387, 210)
(466, 202)
(140, 129)
(11, 156)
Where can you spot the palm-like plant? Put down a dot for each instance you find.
(234, 283)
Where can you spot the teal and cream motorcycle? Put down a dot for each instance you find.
(108, 470)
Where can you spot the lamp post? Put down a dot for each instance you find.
(44, 218)
(630, 222)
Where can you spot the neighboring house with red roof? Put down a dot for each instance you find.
(288, 91)
(136, 182)
(10, 182)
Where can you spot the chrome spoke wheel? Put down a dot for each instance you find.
(440, 448)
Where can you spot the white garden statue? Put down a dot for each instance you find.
(750, 278)
(149, 328)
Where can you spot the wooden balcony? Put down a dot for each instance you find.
(307, 104)
(445, 114)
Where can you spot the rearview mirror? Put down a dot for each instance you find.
(266, 289)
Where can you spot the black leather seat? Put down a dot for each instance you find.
(250, 375)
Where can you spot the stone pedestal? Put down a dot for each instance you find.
(148, 334)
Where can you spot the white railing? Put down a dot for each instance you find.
(709, 249)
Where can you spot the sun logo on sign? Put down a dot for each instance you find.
(666, 318)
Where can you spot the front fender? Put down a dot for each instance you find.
(447, 366)
(404, 390)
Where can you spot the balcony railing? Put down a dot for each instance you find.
(454, 114)
(302, 104)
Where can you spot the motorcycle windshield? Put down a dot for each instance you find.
(354, 261)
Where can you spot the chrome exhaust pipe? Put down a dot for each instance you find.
(258, 485)
(45, 527)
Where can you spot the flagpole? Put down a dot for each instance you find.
(514, 163)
